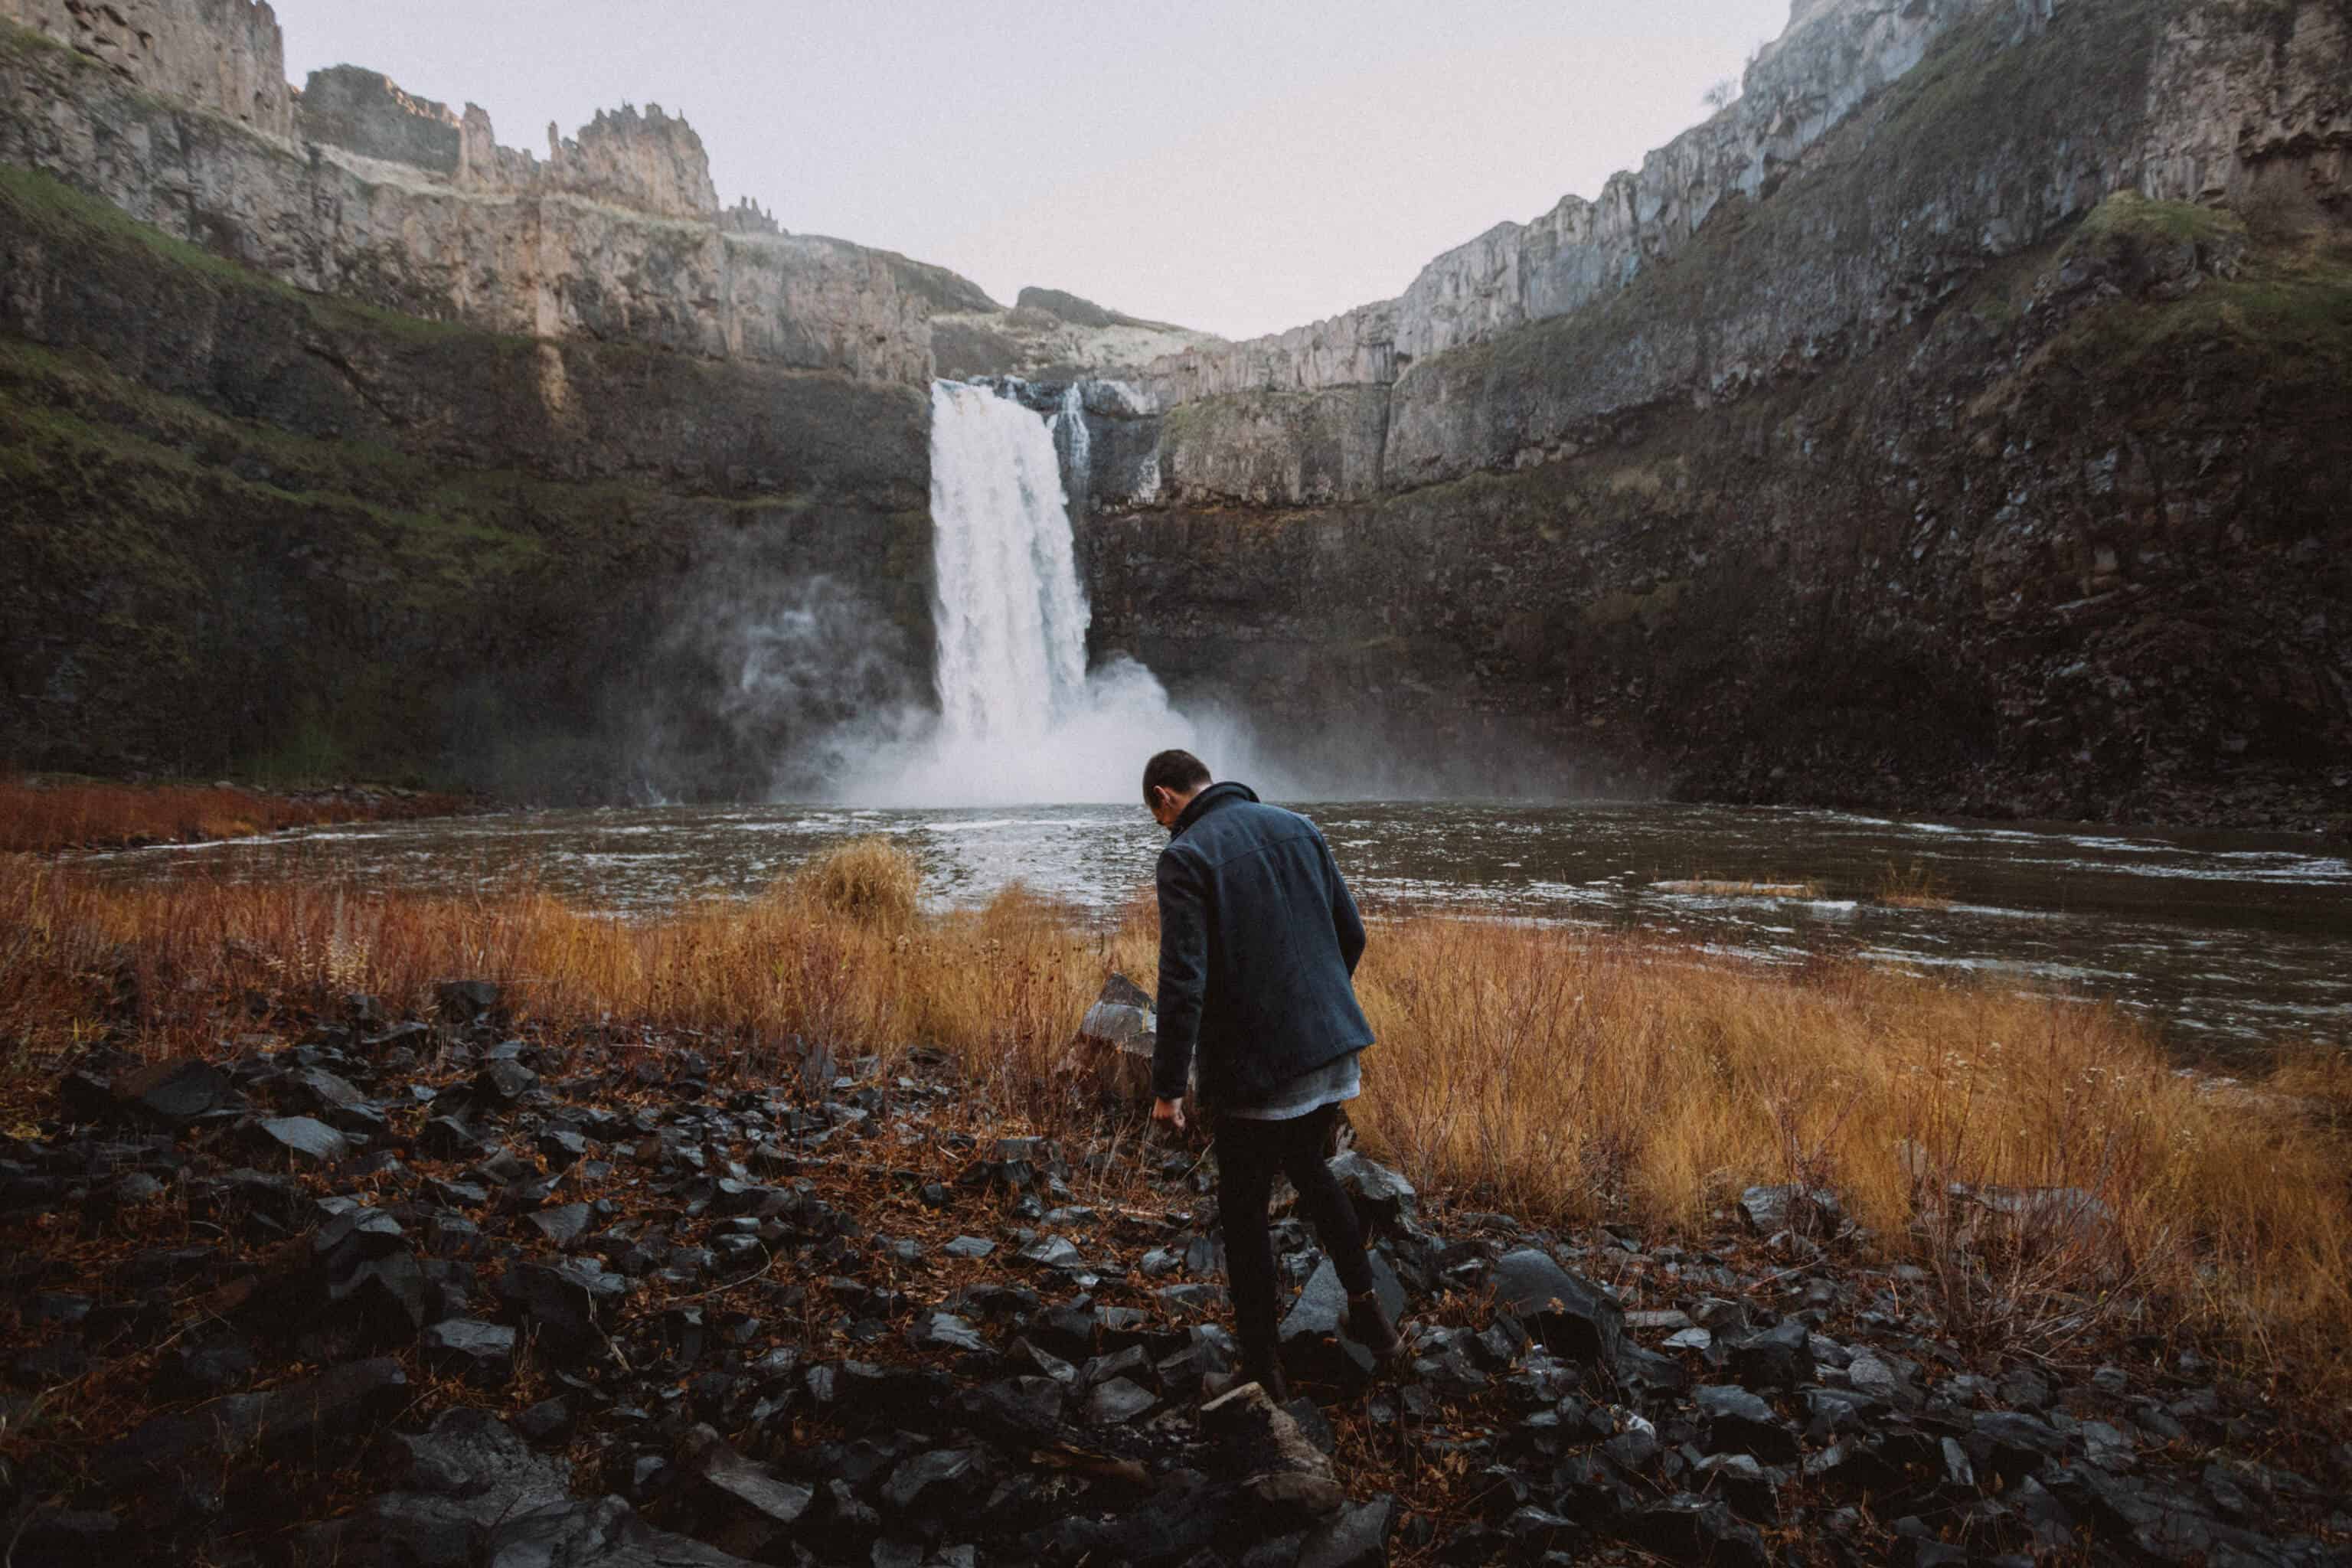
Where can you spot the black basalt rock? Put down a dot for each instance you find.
(1571, 1316)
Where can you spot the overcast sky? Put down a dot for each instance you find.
(1235, 166)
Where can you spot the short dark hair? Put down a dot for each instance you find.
(1180, 772)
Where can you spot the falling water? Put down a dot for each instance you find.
(1012, 618)
(1022, 719)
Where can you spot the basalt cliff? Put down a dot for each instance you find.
(1960, 419)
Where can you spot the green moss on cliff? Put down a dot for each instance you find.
(40, 205)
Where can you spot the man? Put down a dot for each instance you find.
(1259, 945)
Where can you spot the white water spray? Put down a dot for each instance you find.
(1022, 721)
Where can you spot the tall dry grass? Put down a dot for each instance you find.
(1562, 1076)
(78, 814)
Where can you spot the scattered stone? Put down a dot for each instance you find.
(1357, 1537)
(571, 1303)
(481, 1353)
(1283, 1472)
(174, 1093)
(969, 1247)
(307, 1137)
(1571, 1317)
(944, 1331)
(1117, 1401)
(777, 1504)
(1807, 1211)
(466, 1001)
(1740, 1423)
(1383, 1198)
(1779, 1357)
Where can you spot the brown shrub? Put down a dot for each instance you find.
(870, 880)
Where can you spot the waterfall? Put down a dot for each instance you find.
(1022, 719)
(1010, 616)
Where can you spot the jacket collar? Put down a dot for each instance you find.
(1208, 800)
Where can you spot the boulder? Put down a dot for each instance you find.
(1118, 1401)
(1741, 1423)
(573, 1303)
(1383, 1198)
(479, 1352)
(1283, 1472)
(1313, 1334)
(465, 1001)
(1808, 1211)
(305, 1137)
(1572, 1317)
(933, 1483)
(172, 1093)
(460, 1478)
(604, 1533)
(1117, 1039)
(1689, 1528)
(752, 1506)
(1779, 1357)
(1357, 1537)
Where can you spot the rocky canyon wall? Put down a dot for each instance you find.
(222, 56)
(1891, 440)
(338, 437)
(355, 188)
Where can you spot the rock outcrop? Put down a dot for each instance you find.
(363, 191)
(1051, 334)
(1833, 58)
(224, 57)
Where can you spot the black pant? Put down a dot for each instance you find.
(1248, 1154)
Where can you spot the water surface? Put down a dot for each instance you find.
(2224, 940)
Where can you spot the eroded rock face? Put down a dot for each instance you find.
(226, 57)
(1833, 58)
(2202, 104)
(397, 201)
(648, 162)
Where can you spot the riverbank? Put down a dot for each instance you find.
(750, 1132)
(43, 813)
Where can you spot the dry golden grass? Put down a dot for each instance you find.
(73, 814)
(869, 881)
(1913, 887)
(1562, 1076)
(1720, 888)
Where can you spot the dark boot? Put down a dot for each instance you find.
(1266, 1372)
(1370, 1326)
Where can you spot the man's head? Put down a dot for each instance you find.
(1171, 780)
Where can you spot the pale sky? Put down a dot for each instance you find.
(1235, 166)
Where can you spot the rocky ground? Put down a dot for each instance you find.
(429, 1292)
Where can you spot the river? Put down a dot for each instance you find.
(2225, 941)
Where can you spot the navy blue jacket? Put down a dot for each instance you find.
(1258, 941)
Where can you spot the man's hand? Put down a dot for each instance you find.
(1171, 1111)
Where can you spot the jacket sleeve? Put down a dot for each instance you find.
(1183, 974)
(1345, 921)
